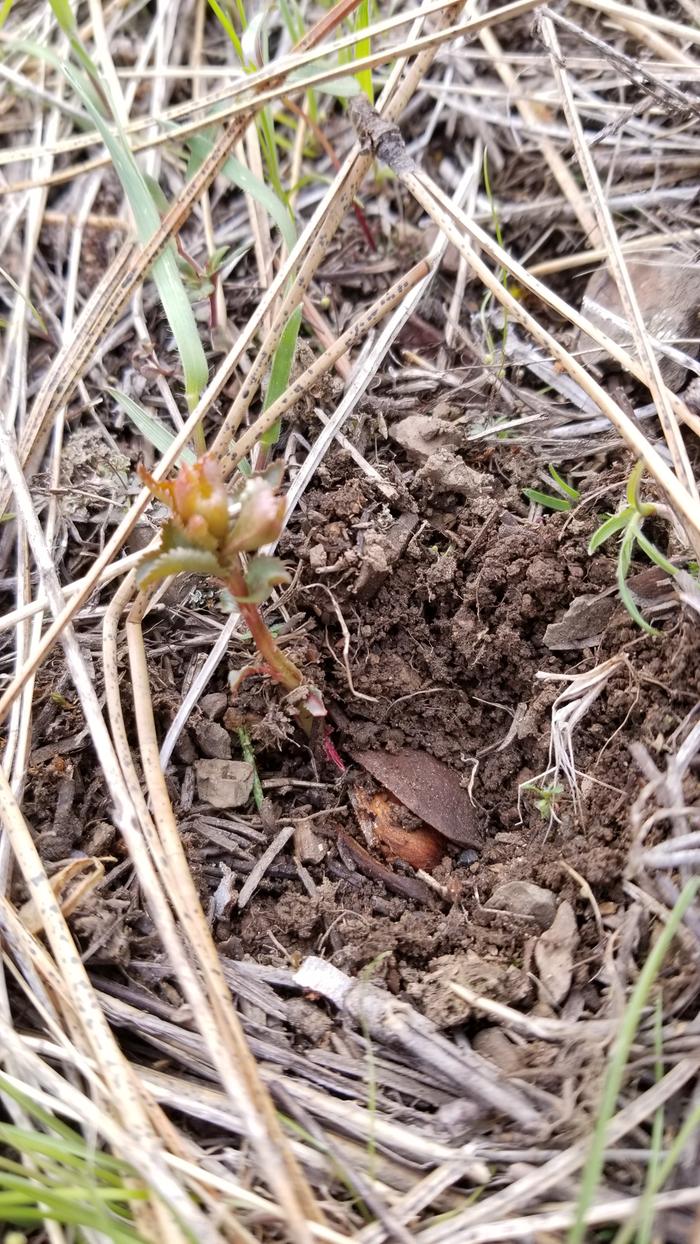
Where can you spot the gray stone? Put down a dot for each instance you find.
(668, 292)
(224, 783)
(214, 740)
(525, 899)
(582, 625)
(214, 705)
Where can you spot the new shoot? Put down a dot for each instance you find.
(214, 534)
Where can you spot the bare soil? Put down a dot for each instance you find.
(446, 654)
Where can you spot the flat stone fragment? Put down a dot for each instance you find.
(582, 624)
(224, 783)
(668, 292)
(525, 899)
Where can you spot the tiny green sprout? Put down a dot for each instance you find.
(629, 523)
(565, 502)
(210, 533)
(546, 798)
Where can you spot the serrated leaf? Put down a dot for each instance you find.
(607, 529)
(262, 575)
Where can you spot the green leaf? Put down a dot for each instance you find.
(227, 24)
(178, 561)
(655, 554)
(5, 8)
(363, 48)
(607, 529)
(64, 15)
(171, 290)
(573, 493)
(281, 370)
(624, 559)
(262, 575)
(544, 498)
(240, 176)
(150, 426)
(343, 87)
(25, 298)
(627, 546)
(633, 482)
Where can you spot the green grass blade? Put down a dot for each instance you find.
(363, 48)
(150, 427)
(240, 176)
(56, 1153)
(281, 370)
(567, 489)
(646, 1208)
(30, 1107)
(25, 298)
(546, 499)
(662, 1173)
(340, 88)
(226, 23)
(171, 290)
(607, 529)
(655, 555)
(620, 1054)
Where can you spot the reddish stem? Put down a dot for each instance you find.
(281, 668)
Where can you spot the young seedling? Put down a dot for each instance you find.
(565, 502)
(546, 799)
(210, 533)
(629, 521)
